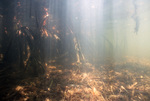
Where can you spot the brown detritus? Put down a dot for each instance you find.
(72, 83)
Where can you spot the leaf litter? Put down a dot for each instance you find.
(123, 81)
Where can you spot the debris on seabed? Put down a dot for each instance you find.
(126, 81)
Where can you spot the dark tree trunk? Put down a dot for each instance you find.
(9, 43)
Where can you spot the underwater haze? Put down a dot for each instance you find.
(74, 50)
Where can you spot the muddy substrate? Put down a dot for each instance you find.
(124, 81)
